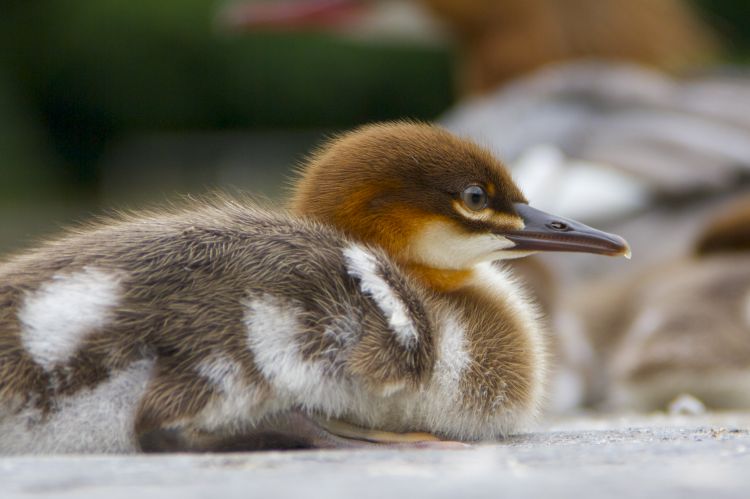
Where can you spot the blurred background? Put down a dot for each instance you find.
(633, 115)
(107, 103)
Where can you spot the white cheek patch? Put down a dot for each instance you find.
(364, 266)
(272, 327)
(439, 245)
(58, 316)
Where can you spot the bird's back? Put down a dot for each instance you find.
(90, 324)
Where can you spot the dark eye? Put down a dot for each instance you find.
(474, 198)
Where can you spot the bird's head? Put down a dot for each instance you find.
(437, 203)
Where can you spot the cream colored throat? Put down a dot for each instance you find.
(440, 245)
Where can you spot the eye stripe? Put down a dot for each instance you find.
(490, 216)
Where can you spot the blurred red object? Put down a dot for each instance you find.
(291, 14)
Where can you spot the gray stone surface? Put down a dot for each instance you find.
(608, 456)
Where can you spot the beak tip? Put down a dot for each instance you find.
(626, 251)
(624, 248)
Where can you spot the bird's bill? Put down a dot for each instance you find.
(545, 232)
(290, 14)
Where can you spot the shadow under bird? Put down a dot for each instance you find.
(370, 313)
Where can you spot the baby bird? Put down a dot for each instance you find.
(371, 313)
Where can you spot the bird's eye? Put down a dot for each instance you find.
(474, 197)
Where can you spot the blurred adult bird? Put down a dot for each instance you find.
(681, 327)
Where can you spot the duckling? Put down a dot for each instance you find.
(371, 314)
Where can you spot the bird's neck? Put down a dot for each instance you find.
(440, 280)
(485, 286)
(497, 325)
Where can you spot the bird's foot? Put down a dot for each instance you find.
(367, 436)
(290, 430)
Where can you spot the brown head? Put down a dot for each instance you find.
(437, 203)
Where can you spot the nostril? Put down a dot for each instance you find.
(556, 225)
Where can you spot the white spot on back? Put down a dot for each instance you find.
(273, 325)
(363, 265)
(238, 400)
(62, 312)
(452, 359)
(93, 420)
(220, 371)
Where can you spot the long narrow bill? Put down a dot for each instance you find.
(546, 232)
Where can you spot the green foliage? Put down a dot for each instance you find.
(75, 74)
(731, 19)
(26, 163)
(96, 69)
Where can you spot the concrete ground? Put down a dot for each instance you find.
(606, 456)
